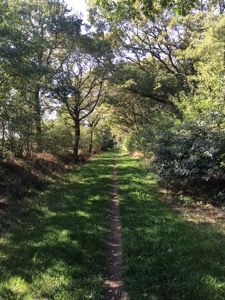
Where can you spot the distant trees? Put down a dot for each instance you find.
(79, 84)
(158, 67)
(167, 90)
(134, 9)
(192, 151)
(45, 57)
(33, 47)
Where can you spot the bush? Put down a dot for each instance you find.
(139, 140)
(57, 138)
(191, 153)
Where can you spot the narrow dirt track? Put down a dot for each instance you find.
(114, 277)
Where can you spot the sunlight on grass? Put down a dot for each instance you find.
(52, 280)
(17, 286)
(56, 249)
(166, 257)
(83, 214)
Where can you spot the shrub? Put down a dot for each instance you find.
(139, 140)
(191, 153)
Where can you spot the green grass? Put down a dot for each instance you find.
(56, 248)
(166, 257)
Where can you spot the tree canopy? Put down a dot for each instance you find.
(135, 8)
(149, 74)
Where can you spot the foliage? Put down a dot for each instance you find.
(79, 84)
(172, 72)
(44, 56)
(192, 154)
(151, 82)
(134, 9)
(155, 64)
(139, 140)
(207, 50)
(103, 139)
(34, 43)
(57, 137)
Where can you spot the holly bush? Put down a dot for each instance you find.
(191, 153)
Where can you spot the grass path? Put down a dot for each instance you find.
(165, 255)
(56, 248)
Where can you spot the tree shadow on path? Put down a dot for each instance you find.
(57, 248)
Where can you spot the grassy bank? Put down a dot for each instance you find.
(166, 256)
(56, 248)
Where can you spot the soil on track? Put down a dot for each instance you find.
(114, 281)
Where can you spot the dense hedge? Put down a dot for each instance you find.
(192, 154)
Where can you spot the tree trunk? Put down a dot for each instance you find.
(38, 123)
(91, 142)
(3, 140)
(76, 138)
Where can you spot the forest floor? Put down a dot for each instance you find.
(53, 242)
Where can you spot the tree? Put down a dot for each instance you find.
(131, 9)
(80, 84)
(45, 30)
(93, 120)
(149, 62)
(207, 50)
(157, 46)
(57, 136)
(191, 152)
(152, 83)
